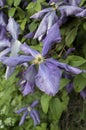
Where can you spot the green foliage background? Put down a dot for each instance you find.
(64, 111)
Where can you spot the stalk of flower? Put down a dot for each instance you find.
(46, 77)
(29, 110)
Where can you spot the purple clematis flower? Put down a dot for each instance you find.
(47, 77)
(31, 112)
(48, 30)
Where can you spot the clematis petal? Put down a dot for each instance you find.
(83, 94)
(52, 19)
(23, 118)
(82, 13)
(53, 1)
(28, 50)
(41, 13)
(69, 51)
(2, 32)
(3, 19)
(5, 43)
(14, 52)
(15, 48)
(5, 52)
(9, 71)
(73, 2)
(21, 110)
(13, 28)
(62, 19)
(47, 22)
(34, 103)
(69, 87)
(48, 79)
(66, 67)
(42, 27)
(52, 37)
(29, 35)
(30, 73)
(70, 10)
(34, 115)
(13, 61)
(29, 78)
(2, 3)
(28, 88)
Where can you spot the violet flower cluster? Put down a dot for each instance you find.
(42, 71)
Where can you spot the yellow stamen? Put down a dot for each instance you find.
(29, 109)
(54, 5)
(39, 59)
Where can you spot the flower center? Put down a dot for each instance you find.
(39, 59)
(29, 109)
(54, 5)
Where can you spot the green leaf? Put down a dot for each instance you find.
(38, 6)
(16, 2)
(71, 36)
(57, 106)
(82, 2)
(37, 47)
(75, 60)
(20, 13)
(11, 12)
(56, 109)
(65, 99)
(22, 26)
(79, 82)
(63, 83)
(31, 5)
(40, 1)
(42, 127)
(45, 99)
(8, 88)
(54, 126)
(10, 2)
(33, 26)
(84, 49)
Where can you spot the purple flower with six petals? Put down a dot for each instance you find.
(31, 112)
